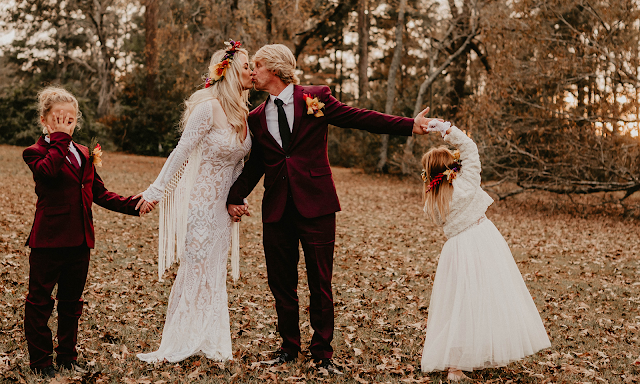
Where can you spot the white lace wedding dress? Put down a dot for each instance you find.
(197, 313)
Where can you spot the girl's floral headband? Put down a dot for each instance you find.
(219, 70)
(450, 173)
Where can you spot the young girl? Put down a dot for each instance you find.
(481, 313)
(62, 233)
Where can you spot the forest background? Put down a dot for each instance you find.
(549, 89)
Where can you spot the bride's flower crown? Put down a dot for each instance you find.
(450, 173)
(219, 70)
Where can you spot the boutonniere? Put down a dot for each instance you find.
(96, 155)
(314, 106)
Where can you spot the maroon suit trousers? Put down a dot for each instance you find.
(281, 240)
(68, 268)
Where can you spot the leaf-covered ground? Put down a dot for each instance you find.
(581, 267)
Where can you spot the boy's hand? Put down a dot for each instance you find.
(60, 122)
(143, 205)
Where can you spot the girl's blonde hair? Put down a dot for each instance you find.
(279, 59)
(51, 96)
(228, 90)
(434, 162)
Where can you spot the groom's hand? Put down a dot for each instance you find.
(236, 211)
(421, 123)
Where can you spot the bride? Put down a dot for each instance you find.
(193, 187)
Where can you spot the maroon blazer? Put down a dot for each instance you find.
(303, 170)
(63, 211)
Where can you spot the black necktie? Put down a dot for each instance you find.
(285, 133)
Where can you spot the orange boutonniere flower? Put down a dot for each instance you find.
(314, 106)
(96, 156)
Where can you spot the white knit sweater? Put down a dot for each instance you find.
(469, 201)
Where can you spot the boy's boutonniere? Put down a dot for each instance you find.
(314, 106)
(96, 155)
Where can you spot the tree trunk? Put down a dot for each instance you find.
(458, 71)
(105, 66)
(150, 45)
(363, 53)
(391, 84)
(407, 157)
(268, 15)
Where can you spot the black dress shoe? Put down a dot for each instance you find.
(73, 366)
(329, 365)
(48, 372)
(280, 357)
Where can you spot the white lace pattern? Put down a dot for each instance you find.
(197, 313)
(469, 201)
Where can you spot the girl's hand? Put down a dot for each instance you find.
(443, 127)
(61, 122)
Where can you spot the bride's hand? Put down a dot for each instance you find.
(236, 211)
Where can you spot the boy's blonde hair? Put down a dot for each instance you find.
(279, 59)
(51, 96)
(229, 92)
(434, 162)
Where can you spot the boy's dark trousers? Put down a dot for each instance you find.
(68, 268)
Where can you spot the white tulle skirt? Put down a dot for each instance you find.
(481, 314)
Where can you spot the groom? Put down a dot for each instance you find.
(300, 201)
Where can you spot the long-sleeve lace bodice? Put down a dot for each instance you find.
(197, 313)
(469, 201)
(203, 119)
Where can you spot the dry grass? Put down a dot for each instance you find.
(582, 270)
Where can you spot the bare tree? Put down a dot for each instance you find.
(268, 15)
(408, 159)
(391, 83)
(559, 111)
(363, 52)
(150, 45)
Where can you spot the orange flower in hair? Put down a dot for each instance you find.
(219, 70)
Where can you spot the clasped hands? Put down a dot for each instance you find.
(143, 205)
(236, 211)
(423, 125)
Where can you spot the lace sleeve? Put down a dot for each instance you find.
(237, 170)
(200, 122)
(470, 172)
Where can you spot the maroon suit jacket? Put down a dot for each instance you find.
(303, 170)
(63, 211)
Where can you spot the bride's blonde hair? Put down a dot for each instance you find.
(434, 162)
(229, 92)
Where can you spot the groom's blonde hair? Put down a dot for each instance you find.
(279, 59)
